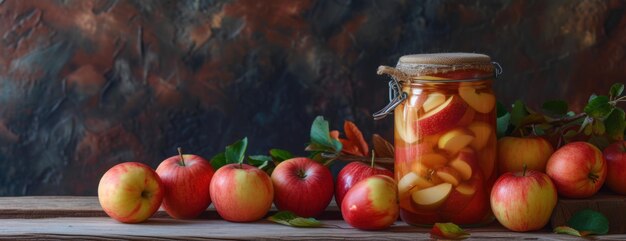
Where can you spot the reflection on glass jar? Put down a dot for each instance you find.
(445, 137)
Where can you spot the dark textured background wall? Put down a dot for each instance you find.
(88, 84)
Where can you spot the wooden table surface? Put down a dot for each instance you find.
(82, 218)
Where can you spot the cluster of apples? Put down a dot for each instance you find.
(445, 153)
(185, 185)
(524, 200)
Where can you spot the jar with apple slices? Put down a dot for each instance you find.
(445, 136)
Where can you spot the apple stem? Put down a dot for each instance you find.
(180, 154)
(373, 157)
(594, 178)
(524, 171)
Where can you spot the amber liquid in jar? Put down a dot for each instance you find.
(445, 142)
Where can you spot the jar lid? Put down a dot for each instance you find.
(425, 64)
(445, 58)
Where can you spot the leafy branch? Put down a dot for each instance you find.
(327, 146)
(601, 122)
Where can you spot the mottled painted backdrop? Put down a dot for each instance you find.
(87, 84)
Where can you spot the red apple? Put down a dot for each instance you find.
(241, 193)
(130, 192)
(577, 169)
(353, 173)
(615, 155)
(523, 201)
(372, 203)
(302, 186)
(514, 152)
(442, 118)
(186, 179)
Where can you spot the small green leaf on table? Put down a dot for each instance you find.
(570, 231)
(280, 155)
(290, 219)
(448, 231)
(585, 222)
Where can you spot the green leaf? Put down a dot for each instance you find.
(259, 160)
(570, 231)
(236, 151)
(290, 219)
(448, 231)
(555, 107)
(598, 127)
(320, 135)
(218, 161)
(589, 221)
(616, 90)
(280, 155)
(616, 124)
(599, 107)
(518, 113)
(503, 121)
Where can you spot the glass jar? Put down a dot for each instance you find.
(445, 136)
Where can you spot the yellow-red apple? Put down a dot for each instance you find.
(241, 193)
(353, 173)
(615, 156)
(372, 203)
(514, 152)
(523, 201)
(578, 170)
(130, 192)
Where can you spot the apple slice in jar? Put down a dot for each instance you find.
(449, 175)
(426, 162)
(480, 101)
(482, 133)
(442, 118)
(432, 197)
(412, 181)
(467, 118)
(405, 116)
(433, 100)
(455, 140)
(487, 157)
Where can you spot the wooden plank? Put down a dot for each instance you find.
(611, 205)
(167, 229)
(88, 206)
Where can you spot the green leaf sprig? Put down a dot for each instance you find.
(291, 219)
(236, 153)
(585, 222)
(601, 122)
